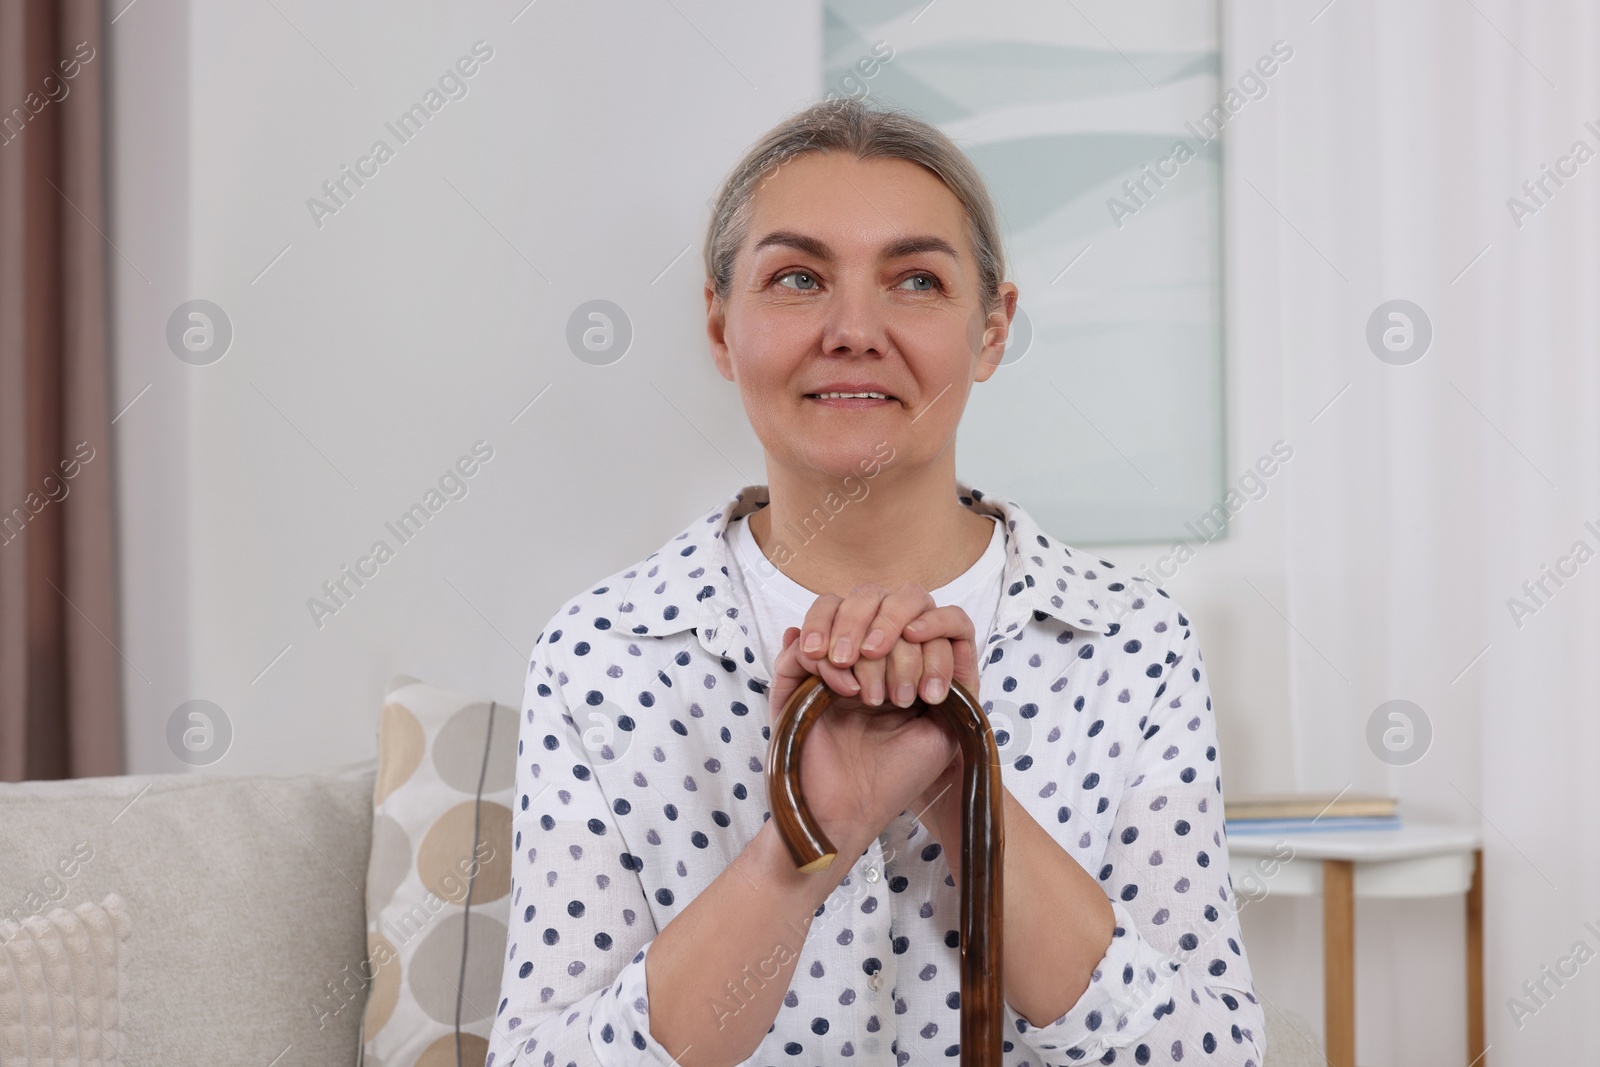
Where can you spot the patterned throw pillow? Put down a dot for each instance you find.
(438, 878)
(62, 985)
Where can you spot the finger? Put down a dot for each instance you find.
(850, 622)
(814, 629)
(789, 665)
(898, 608)
(905, 672)
(938, 667)
(839, 679)
(870, 673)
(966, 663)
(793, 667)
(953, 624)
(950, 621)
(786, 675)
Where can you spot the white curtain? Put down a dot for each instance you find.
(1423, 498)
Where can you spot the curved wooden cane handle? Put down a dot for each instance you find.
(982, 845)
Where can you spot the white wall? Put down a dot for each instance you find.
(419, 319)
(425, 314)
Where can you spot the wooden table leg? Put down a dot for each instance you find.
(1339, 961)
(1475, 1034)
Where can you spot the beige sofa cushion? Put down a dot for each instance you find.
(439, 877)
(245, 897)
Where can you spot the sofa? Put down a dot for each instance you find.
(243, 900)
(199, 919)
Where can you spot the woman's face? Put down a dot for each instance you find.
(855, 276)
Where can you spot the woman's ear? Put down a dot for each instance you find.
(996, 331)
(716, 333)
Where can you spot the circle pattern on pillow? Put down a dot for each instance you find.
(458, 749)
(442, 1053)
(446, 854)
(391, 855)
(398, 759)
(432, 976)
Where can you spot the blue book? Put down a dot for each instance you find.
(1326, 824)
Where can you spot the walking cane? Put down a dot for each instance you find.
(982, 845)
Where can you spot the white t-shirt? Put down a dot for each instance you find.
(780, 601)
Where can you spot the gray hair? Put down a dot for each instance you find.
(850, 126)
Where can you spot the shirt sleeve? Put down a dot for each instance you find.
(579, 927)
(1175, 980)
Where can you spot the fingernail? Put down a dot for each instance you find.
(813, 642)
(916, 624)
(905, 694)
(872, 641)
(841, 651)
(936, 690)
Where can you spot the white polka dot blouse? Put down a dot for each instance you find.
(640, 774)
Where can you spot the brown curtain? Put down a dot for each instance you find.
(60, 683)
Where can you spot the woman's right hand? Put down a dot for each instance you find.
(861, 765)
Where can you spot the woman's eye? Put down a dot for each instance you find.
(932, 282)
(797, 274)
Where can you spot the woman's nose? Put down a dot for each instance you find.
(857, 321)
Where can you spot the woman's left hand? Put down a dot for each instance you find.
(876, 639)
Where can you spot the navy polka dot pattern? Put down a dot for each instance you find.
(640, 775)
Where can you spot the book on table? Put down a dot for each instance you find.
(1279, 813)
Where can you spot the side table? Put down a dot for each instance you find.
(1414, 860)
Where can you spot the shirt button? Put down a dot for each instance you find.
(872, 874)
(876, 981)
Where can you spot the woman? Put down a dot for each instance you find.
(854, 295)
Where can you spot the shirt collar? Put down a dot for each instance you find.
(686, 584)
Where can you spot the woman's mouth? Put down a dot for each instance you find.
(851, 400)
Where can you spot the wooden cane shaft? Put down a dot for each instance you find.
(982, 846)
